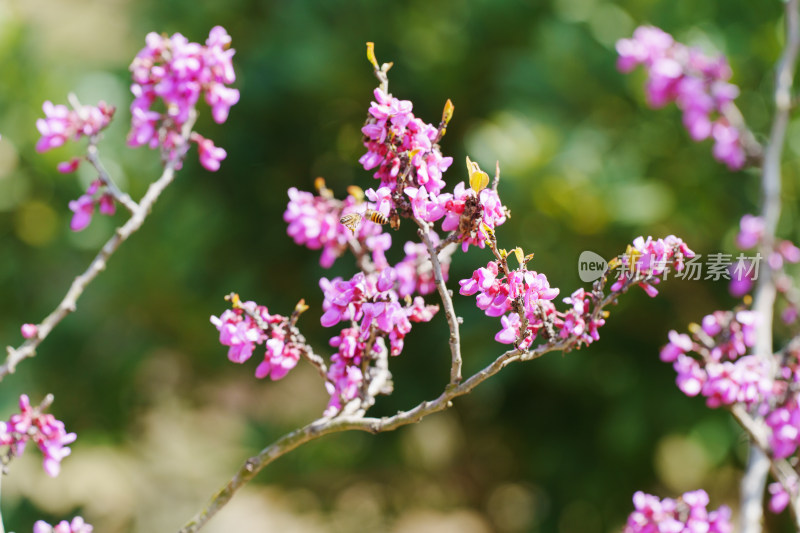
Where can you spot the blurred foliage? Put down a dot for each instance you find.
(557, 445)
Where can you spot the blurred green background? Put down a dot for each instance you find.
(557, 445)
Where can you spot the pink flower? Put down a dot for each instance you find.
(69, 166)
(688, 514)
(393, 135)
(83, 208)
(77, 525)
(176, 73)
(752, 229)
(46, 432)
(210, 155)
(696, 83)
(29, 331)
(62, 124)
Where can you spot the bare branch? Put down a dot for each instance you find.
(93, 156)
(764, 297)
(447, 302)
(69, 302)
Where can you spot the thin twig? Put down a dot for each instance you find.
(93, 156)
(98, 264)
(755, 479)
(447, 303)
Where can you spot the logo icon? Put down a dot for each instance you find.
(591, 266)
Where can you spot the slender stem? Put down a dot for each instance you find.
(93, 156)
(447, 303)
(755, 478)
(69, 302)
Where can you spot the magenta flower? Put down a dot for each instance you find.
(76, 526)
(696, 83)
(314, 221)
(83, 208)
(62, 124)
(248, 325)
(173, 73)
(46, 432)
(393, 133)
(210, 155)
(688, 514)
(29, 331)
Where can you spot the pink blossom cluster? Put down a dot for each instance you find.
(512, 296)
(62, 123)
(415, 272)
(722, 373)
(779, 498)
(648, 259)
(176, 73)
(78, 525)
(687, 514)
(345, 374)
(698, 84)
(743, 271)
(45, 431)
(468, 212)
(314, 222)
(395, 139)
(248, 325)
(372, 301)
(96, 196)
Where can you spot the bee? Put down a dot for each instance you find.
(353, 220)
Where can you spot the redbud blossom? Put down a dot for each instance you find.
(248, 325)
(314, 221)
(177, 73)
(46, 432)
(696, 83)
(394, 138)
(780, 498)
(687, 514)
(648, 259)
(62, 124)
(83, 208)
(29, 331)
(76, 526)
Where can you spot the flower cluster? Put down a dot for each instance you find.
(523, 295)
(474, 215)
(314, 222)
(78, 525)
(415, 272)
(45, 431)
(687, 514)
(743, 272)
(83, 208)
(345, 374)
(697, 83)
(723, 374)
(248, 325)
(177, 73)
(399, 144)
(779, 497)
(371, 303)
(647, 259)
(62, 123)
